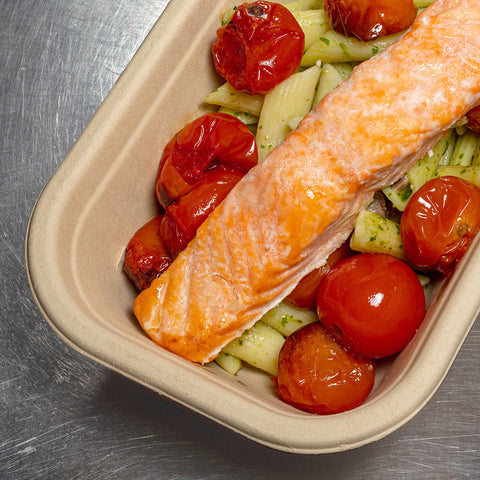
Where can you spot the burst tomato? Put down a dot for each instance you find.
(212, 140)
(372, 304)
(260, 47)
(369, 19)
(146, 257)
(304, 295)
(439, 223)
(473, 117)
(183, 217)
(317, 375)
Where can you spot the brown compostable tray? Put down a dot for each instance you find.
(103, 192)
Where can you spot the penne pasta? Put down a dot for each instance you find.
(246, 118)
(333, 47)
(465, 148)
(227, 96)
(344, 68)
(376, 234)
(399, 196)
(476, 156)
(469, 173)
(422, 3)
(291, 98)
(314, 24)
(450, 140)
(258, 346)
(424, 170)
(329, 79)
(287, 319)
(229, 363)
(304, 5)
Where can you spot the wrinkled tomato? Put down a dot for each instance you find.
(439, 223)
(473, 117)
(260, 47)
(317, 375)
(146, 257)
(212, 140)
(183, 217)
(369, 19)
(304, 295)
(372, 304)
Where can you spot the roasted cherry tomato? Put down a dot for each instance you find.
(317, 375)
(146, 257)
(304, 295)
(259, 48)
(473, 117)
(214, 139)
(372, 304)
(183, 217)
(369, 19)
(439, 223)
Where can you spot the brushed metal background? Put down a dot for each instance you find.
(63, 416)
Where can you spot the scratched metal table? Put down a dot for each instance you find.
(65, 417)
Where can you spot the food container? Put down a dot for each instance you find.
(103, 192)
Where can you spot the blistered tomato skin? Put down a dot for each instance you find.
(259, 48)
(372, 304)
(439, 223)
(369, 19)
(318, 376)
(183, 217)
(212, 140)
(473, 119)
(304, 295)
(146, 256)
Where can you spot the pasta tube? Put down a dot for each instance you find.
(229, 363)
(304, 5)
(398, 197)
(424, 170)
(246, 118)
(333, 47)
(227, 96)
(291, 98)
(451, 138)
(329, 79)
(286, 318)
(314, 24)
(465, 148)
(259, 346)
(376, 234)
(470, 173)
(422, 3)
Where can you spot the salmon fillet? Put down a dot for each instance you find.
(290, 212)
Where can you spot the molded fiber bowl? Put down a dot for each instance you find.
(103, 192)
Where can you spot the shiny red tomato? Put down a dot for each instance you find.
(304, 295)
(369, 19)
(212, 140)
(317, 375)
(372, 304)
(183, 217)
(439, 223)
(473, 117)
(259, 48)
(146, 257)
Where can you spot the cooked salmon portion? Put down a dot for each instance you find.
(290, 212)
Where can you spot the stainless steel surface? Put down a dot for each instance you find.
(63, 416)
